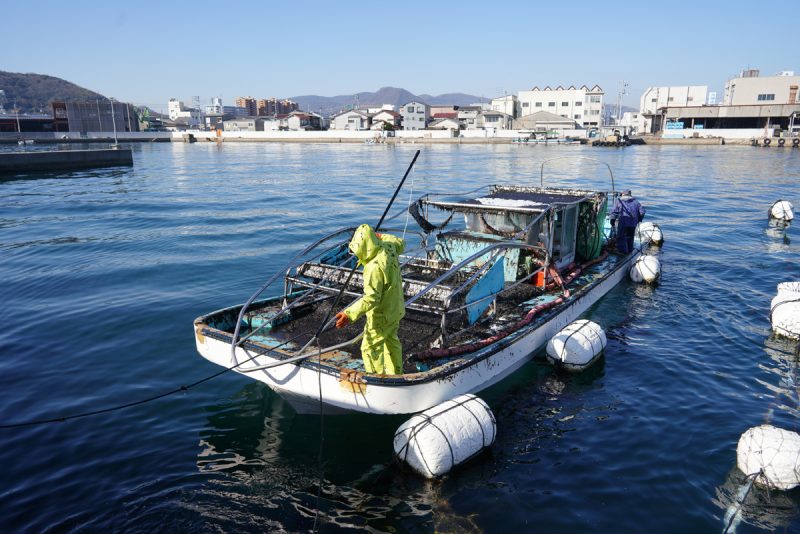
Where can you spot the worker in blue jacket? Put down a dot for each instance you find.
(626, 215)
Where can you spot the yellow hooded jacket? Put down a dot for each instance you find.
(383, 301)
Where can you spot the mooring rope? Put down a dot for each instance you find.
(740, 501)
(139, 402)
(751, 477)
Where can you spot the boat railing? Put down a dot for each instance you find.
(295, 262)
(235, 340)
(495, 249)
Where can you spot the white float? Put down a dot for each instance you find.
(784, 313)
(577, 345)
(650, 233)
(782, 210)
(646, 269)
(440, 438)
(770, 454)
(791, 288)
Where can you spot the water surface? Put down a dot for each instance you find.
(103, 272)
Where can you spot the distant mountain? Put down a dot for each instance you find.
(33, 92)
(456, 99)
(327, 105)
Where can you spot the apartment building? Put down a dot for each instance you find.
(584, 105)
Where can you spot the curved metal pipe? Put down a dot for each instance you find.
(541, 170)
(272, 279)
(450, 272)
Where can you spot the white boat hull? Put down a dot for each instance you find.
(303, 385)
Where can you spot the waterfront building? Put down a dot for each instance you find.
(386, 119)
(375, 110)
(96, 116)
(583, 105)
(750, 89)
(249, 103)
(215, 108)
(416, 115)
(752, 106)
(351, 120)
(246, 124)
(434, 110)
(468, 117)
(178, 112)
(544, 121)
(508, 104)
(495, 120)
(655, 98)
(271, 107)
(444, 123)
(303, 120)
(214, 121)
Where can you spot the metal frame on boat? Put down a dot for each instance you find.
(480, 300)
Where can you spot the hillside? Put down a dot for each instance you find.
(327, 105)
(35, 91)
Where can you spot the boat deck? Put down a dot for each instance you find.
(418, 331)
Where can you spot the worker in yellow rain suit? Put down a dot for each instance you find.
(382, 302)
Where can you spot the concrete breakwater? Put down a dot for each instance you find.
(23, 162)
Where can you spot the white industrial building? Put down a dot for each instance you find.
(753, 106)
(176, 110)
(416, 115)
(583, 105)
(751, 89)
(508, 104)
(655, 98)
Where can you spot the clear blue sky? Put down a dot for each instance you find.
(147, 52)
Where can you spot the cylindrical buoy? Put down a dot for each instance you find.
(784, 314)
(577, 346)
(782, 210)
(650, 233)
(771, 455)
(442, 437)
(789, 288)
(646, 269)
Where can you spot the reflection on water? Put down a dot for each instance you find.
(758, 507)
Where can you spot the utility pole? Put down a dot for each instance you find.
(623, 90)
(16, 110)
(113, 121)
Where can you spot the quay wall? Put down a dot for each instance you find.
(730, 135)
(57, 160)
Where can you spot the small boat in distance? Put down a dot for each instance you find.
(484, 292)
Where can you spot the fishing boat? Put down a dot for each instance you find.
(504, 269)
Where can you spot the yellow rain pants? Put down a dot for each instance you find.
(383, 301)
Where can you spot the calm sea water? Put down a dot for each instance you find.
(103, 272)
